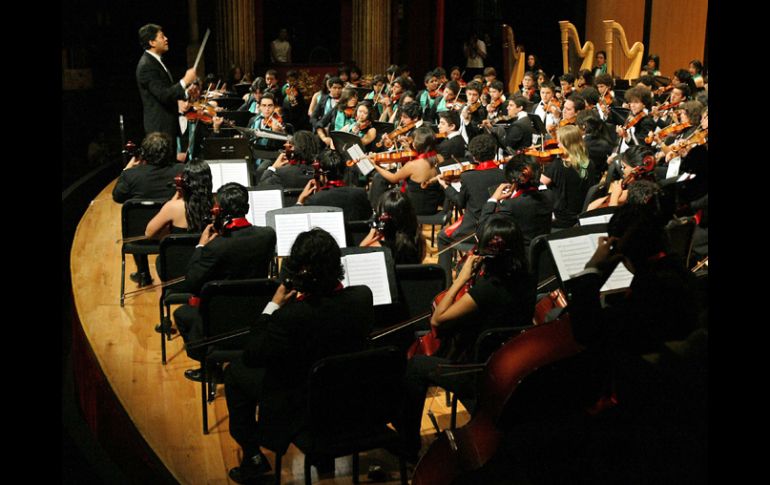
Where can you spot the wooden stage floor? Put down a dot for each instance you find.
(163, 405)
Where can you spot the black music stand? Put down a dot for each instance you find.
(343, 140)
(618, 115)
(226, 149)
(241, 118)
(362, 92)
(538, 125)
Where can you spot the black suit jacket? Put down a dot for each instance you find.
(452, 146)
(353, 201)
(288, 176)
(519, 134)
(473, 195)
(243, 253)
(287, 343)
(159, 94)
(531, 211)
(146, 182)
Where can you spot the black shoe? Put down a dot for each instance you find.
(249, 472)
(165, 327)
(215, 375)
(141, 279)
(194, 374)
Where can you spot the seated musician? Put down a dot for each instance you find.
(529, 88)
(679, 94)
(585, 78)
(377, 93)
(597, 138)
(327, 102)
(251, 99)
(454, 143)
(429, 97)
(329, 189)
(567, 84)
(362, 125)
(690, 113)
(493, 289)
(396, 227)
(456, 75)
(413, 173)
(520, 199)
(343, 114)
(294, 107)
(497, 101)
(229, 248)
(268, 121)
(573, 105)
(393, 102)
(310, 317)
(696, 69)
(355, 77)
(409, 114)
(472, 115)
(447, 101)
(324, 91)
(604, 84)
(547, 100)
(292, 169)
(518, 135)
(473, 194)
(271, 78)
(639, 100)
(634, 157)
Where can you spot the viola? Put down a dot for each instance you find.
(669, 130)
(568, 121)
(468, 448)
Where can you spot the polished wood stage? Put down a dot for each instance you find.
(164, 406)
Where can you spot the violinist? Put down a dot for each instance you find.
(600, 67)
(607, 100)
(519, 199)
(638, 124)
(663, 118)
(519, 133)
(310, 317)
(472, 195)
(597, 138)
(454, 144)
(329, 189)
(343, 114)
(355, 77)
(493, 288)
(448, 100)
(251, 99)
(294, 108)
(690, 113)
(393, 101)
(472, 115)
(409, 115)
(430, 96)
(292, 169)
(585, 78)
(414, 172)
(573, 105)
(377, 94)
(362, 125)
(457, 76)
(271, 78)
(229, 248)
(147, 176)
(497, 101)
(327, 102)
(395, 226)
(632, 160)
(547, 101)
(567, 84)
(529, 88)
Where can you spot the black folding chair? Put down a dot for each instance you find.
(135, 214)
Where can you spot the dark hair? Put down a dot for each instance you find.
(655, 58)
(439, 71)
(347, 95)
(636, 154)
(429, 75)
(315, 263)
(482, 147)
(502, 245)
(642, 192)
(587, 75)
(647, 80)
(641, 93)
(578, 101)
(694, 110)
(475, 86)
(523, 171)
(590, 94)
(697, 64)
(548, 84)
(292, 73)
(343, 70)
(589, 121)
(453, 86)
(268, 95)
(520, 101)
(331, 164)
(336, 80)
(306, 145)
(272, 72)
(602, 53)
(640, 230)
(233, 199)
(424, 139)
(490, 71)
(496, 84)
(369, 109)
(685, 77)
(567, 77)
(355, 69)
(147, 33)
(452, 117)
(605, 79)
(684, 88)
(258, 84)
(196, 191)
(393, 69)
(401, 232)
(412, 110)
(157, 149)
(379, 78)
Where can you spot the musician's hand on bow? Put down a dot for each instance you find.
(281, 161)
(283, 295)
(310, 189)
(468, 267)
(207, 235)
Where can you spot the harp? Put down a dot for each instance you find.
(631, 59)
(574, 57)
(514, 60)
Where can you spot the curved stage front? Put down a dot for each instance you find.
(119, 348)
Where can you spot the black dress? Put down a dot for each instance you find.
(425, 201)
(569, 191)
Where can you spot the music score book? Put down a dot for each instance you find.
(261, 201)
(368, 269)
(363, 164)
(288, 227)
(228, 171)
(572, 253)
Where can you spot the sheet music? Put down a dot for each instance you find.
(235, 172)
(368, 269)
(287, 228)
(216, 177)
(364, 164)
(572, 254)
(673, 167)
(331, 222)
(261, 201)
(620, 279)
(602, 219)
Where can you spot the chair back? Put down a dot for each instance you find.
(590, 196)
(418, 285)
(134, 216)
(352, 393)
(356, 231)
(175, 253)
(679, 237)
(541, 263)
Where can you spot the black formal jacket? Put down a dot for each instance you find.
(146, 182)
(473, 195)
(352, 200)
(287, 344)
(531, 211)
(159, 94)
(240, 254)
(519, 134)
(288, 176)
(452, 146)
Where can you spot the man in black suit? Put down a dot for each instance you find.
(520, 199)
(473, 194)
(229, 248)
(333, 192)
(519, 134)
(454, 144)
(148, 175)
(156, 85)
(292, 333)
(294, 171)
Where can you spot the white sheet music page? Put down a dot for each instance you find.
(261, 201)
(368, 269)
(572, 254)
(287, 228)
(331, 222)
(620, 278)
(673, 167)
(235, 172)
(216, 177)
(602, 219)
(364, 164)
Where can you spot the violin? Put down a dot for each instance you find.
(647, 166)
(633, 121)
(663, 89)
(667, 106)
(349, 111)
(274, 120)
(291, 93)
(568, 121)
(386, 158)
(553, 103)
(698, 137)
(448, 176)
(543, 155)
(398, 132)
(457, 452)
(669, 130)
(472, 108)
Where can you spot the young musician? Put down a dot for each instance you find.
(497, 100)
(362, 125)
(639, 100)
(396, 227)
(292, 169)
(454, 144)
(326, 103)
(472, 113)
(429, 96)
(336, 119)
(529, 88)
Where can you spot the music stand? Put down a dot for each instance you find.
(241, 118)
(362, 92)
(241, 89)
(537, 124)
(618, 115)
(228, 102)
(343, 141)
(226, 149)
(622, 84)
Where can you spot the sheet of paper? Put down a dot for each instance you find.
(572, 254)
(602, 219)
(368, 269)
(235, 172)
(287, 228)
(364, 164)
(673, 167)
(619, 279)
(331, 222)
(261, 201)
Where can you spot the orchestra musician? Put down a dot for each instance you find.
(327, 102)
(497, 101)
(617, 193)
(429, 97)
(343, 114)
(519, 133)
(639, 99)
(292, 169)
(472, 115)
(529, 88)
(396, 227)
(362, 125)
(454, 143)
